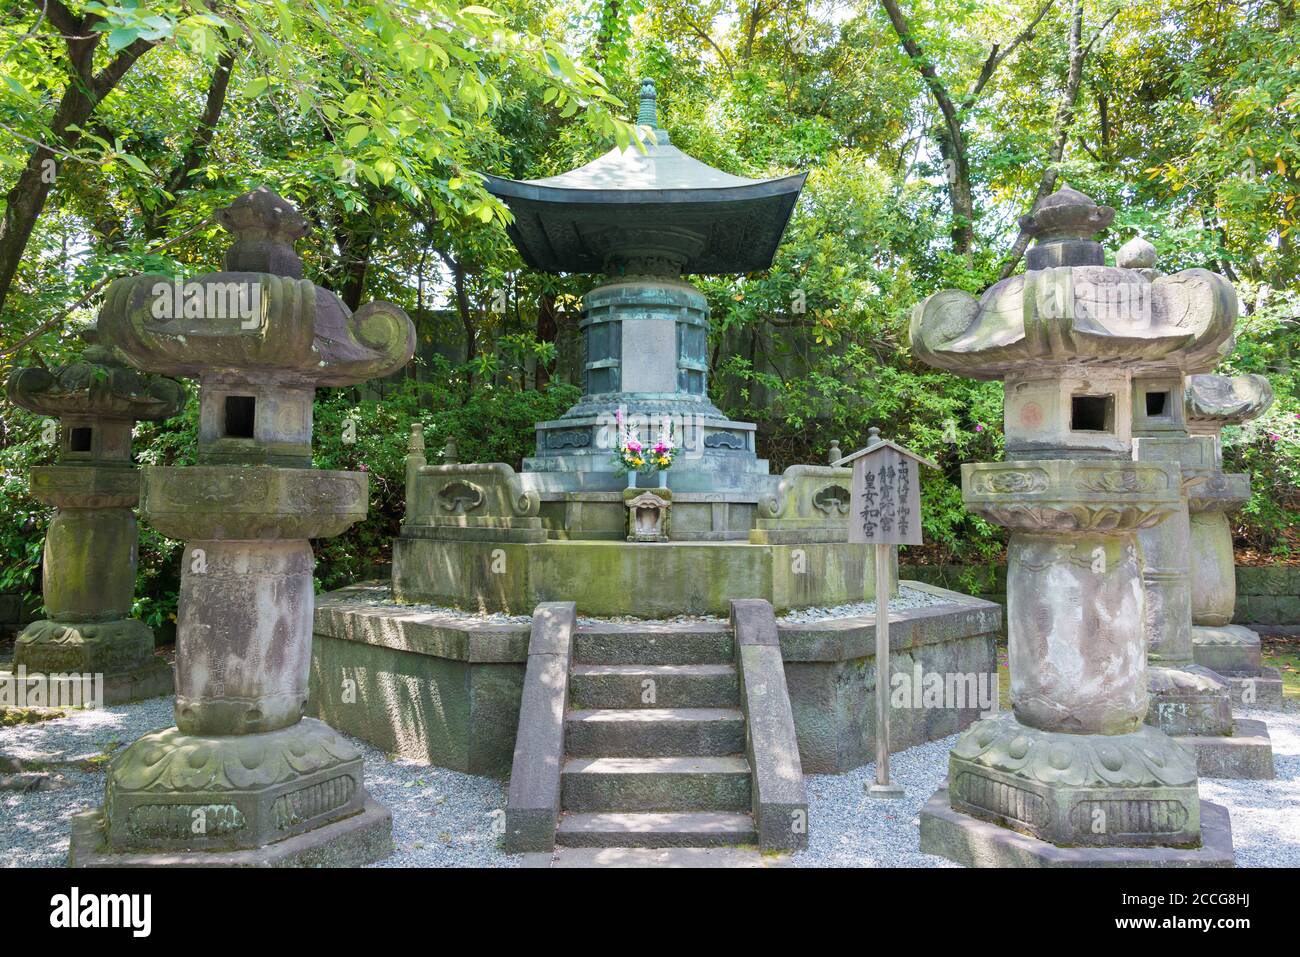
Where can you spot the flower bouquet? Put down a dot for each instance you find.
(632, 455)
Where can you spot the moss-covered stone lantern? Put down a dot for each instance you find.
(1188, 700)
(89, 563)
(1075, 775)
(1213, 402)
(244, 777)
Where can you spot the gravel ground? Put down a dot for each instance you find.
(906, 598)
(446, 819)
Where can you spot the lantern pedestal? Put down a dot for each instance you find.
(974, 842)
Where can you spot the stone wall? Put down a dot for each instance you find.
(1268, 598)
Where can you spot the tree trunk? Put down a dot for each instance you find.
(355, 241)
(1061, 127)
(961, 198)
(194, 153)
(85, 91)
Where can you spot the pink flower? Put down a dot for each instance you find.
(979, 427)
(363, 467)
(634, 445)
(1274, 437)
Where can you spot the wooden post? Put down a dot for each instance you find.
(885, 511)
(883, 788)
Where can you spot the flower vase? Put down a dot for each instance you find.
(631, 478)
(661, 478)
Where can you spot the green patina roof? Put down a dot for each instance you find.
(576, 221)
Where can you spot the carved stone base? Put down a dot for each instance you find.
(1247, 753)
(68, 647)
(174, 791)
(1127, 790)
(975, 843)
(1263, 692)
(1228, 650)
(363, 838)
(1188, 699)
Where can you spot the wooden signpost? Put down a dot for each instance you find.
(885, 511)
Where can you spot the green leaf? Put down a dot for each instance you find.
(255, 87)
(357, 134)
(135, 163)
(121, 38)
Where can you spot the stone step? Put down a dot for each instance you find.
(654, 732)
(666, 686)
(679, 829)
(677, 643)
(656, 784)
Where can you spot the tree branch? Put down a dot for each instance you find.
(998, 55)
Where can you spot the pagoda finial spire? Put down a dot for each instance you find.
(648, 112)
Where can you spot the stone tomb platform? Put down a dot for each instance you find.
(442, 687)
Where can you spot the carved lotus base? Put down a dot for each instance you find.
(1188, 699)
(1124, 790)
(174, 791)
(103, 647)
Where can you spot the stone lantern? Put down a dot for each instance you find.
(244, 778)
(1075, 775)
(1211, 402)
(88, 568)
(1188, 700)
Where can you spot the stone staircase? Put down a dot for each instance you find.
(655, 741)
(654, 747)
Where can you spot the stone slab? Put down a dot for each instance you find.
(1245, 754)
(665, 857)
(780, 800)
(533, 804)
(650, 355)
(974, 843)
(443, 711)
(613, 578)
(1265, 690)
(363, 838)
(153, 680)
